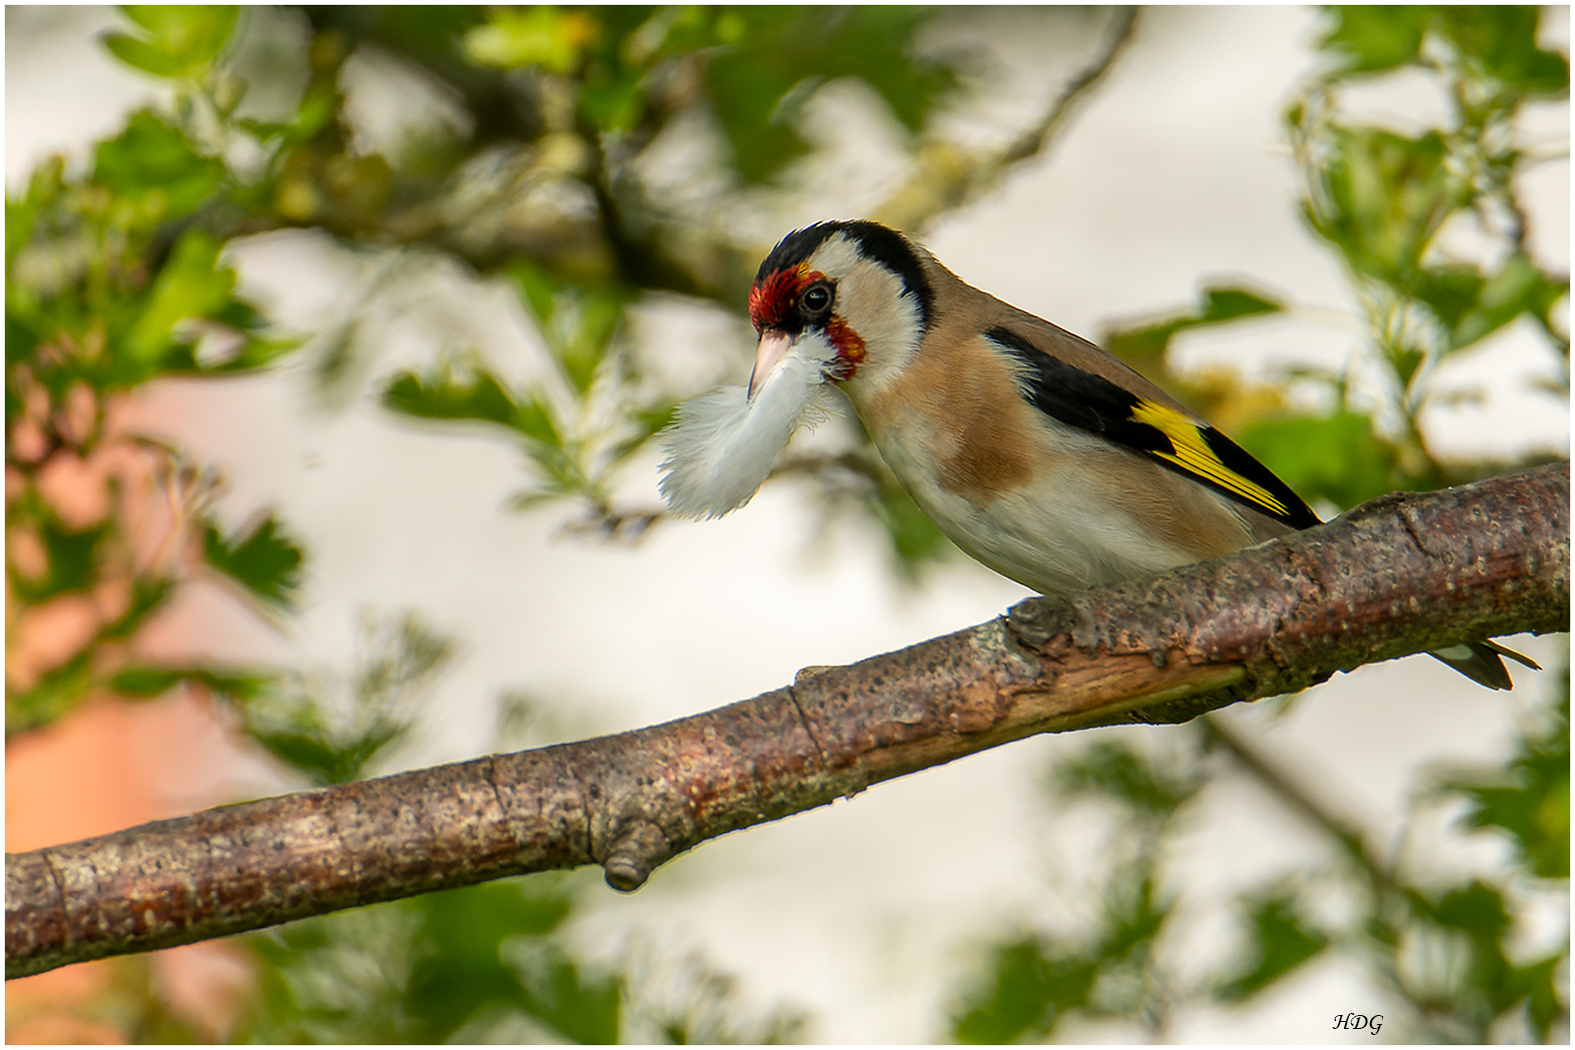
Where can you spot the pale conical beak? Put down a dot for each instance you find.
(774, 346)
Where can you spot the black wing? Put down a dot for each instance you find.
(1093, 403)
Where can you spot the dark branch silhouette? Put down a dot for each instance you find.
(1399, 575)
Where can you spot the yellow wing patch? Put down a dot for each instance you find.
(1192, 453)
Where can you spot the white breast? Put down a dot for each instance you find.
(1062, 532)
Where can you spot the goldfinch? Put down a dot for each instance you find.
(1036, 452)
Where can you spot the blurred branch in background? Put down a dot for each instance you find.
(947, 177)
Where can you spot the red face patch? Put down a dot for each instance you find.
(850, 349)
(771, 300)
(771, 305)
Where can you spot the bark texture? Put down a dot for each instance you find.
(1400, 575)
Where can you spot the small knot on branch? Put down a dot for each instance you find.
(635, 853)
(1037, 620)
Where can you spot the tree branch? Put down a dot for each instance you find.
(1402, 574)
(946, 178)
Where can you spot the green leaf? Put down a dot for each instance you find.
(21, 214)
(1517, 287)
(1503, 39)
(561, 994)
(293, 727)
(1499, 39)
(1337, 458)
(1473, 306)
(877, 44)
(1477, 909)
(1280, 944)
(178, 39)
(1030, 987)
(333, 745)
(1383, 198)
(1220, 304)
(333, 980)
(323, 761)
(240, 687)
(1372, 38)
(479, 397)
(1451, 291)
(153, 162)
(263, 559)
(537, 290)
(155, 681)
(140, 54)
(418, 970)
(1530, 799)
(148, 595)
(578, 322)
(613, 104)
(482, 399)
(56, 692)
(543, 36)
(191, 285)
(145, 681)
(1118, 772)
(1544, 992)
(463, 970)
(582, 350)
(1035, 983)
(71, 560)
(780, 55)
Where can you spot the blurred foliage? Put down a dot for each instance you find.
(112, 284)
(1112, 971)
(1450, 953)
(335, 744)
(117, 276)
(535, 149)
(485, 964)
(173, 42)
(593, 93)
(1449, 950)
(1432, 232)
(1528, 800)
(1281, 941)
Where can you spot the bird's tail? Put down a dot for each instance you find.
(1480, 662)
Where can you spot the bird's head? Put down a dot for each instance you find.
(852, 295)
(845, 302)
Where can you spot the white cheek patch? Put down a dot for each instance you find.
(722, 446)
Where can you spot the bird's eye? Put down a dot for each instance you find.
(816, 299)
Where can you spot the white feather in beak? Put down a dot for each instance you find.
(722, 446)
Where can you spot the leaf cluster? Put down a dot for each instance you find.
(542, 177)
(1528, 800)
(334, 743)
(1382, 202)
(1389, 205)
(118, 275)
(483, 964)
(1448, 954)
(114, 279)
(1113, 970)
